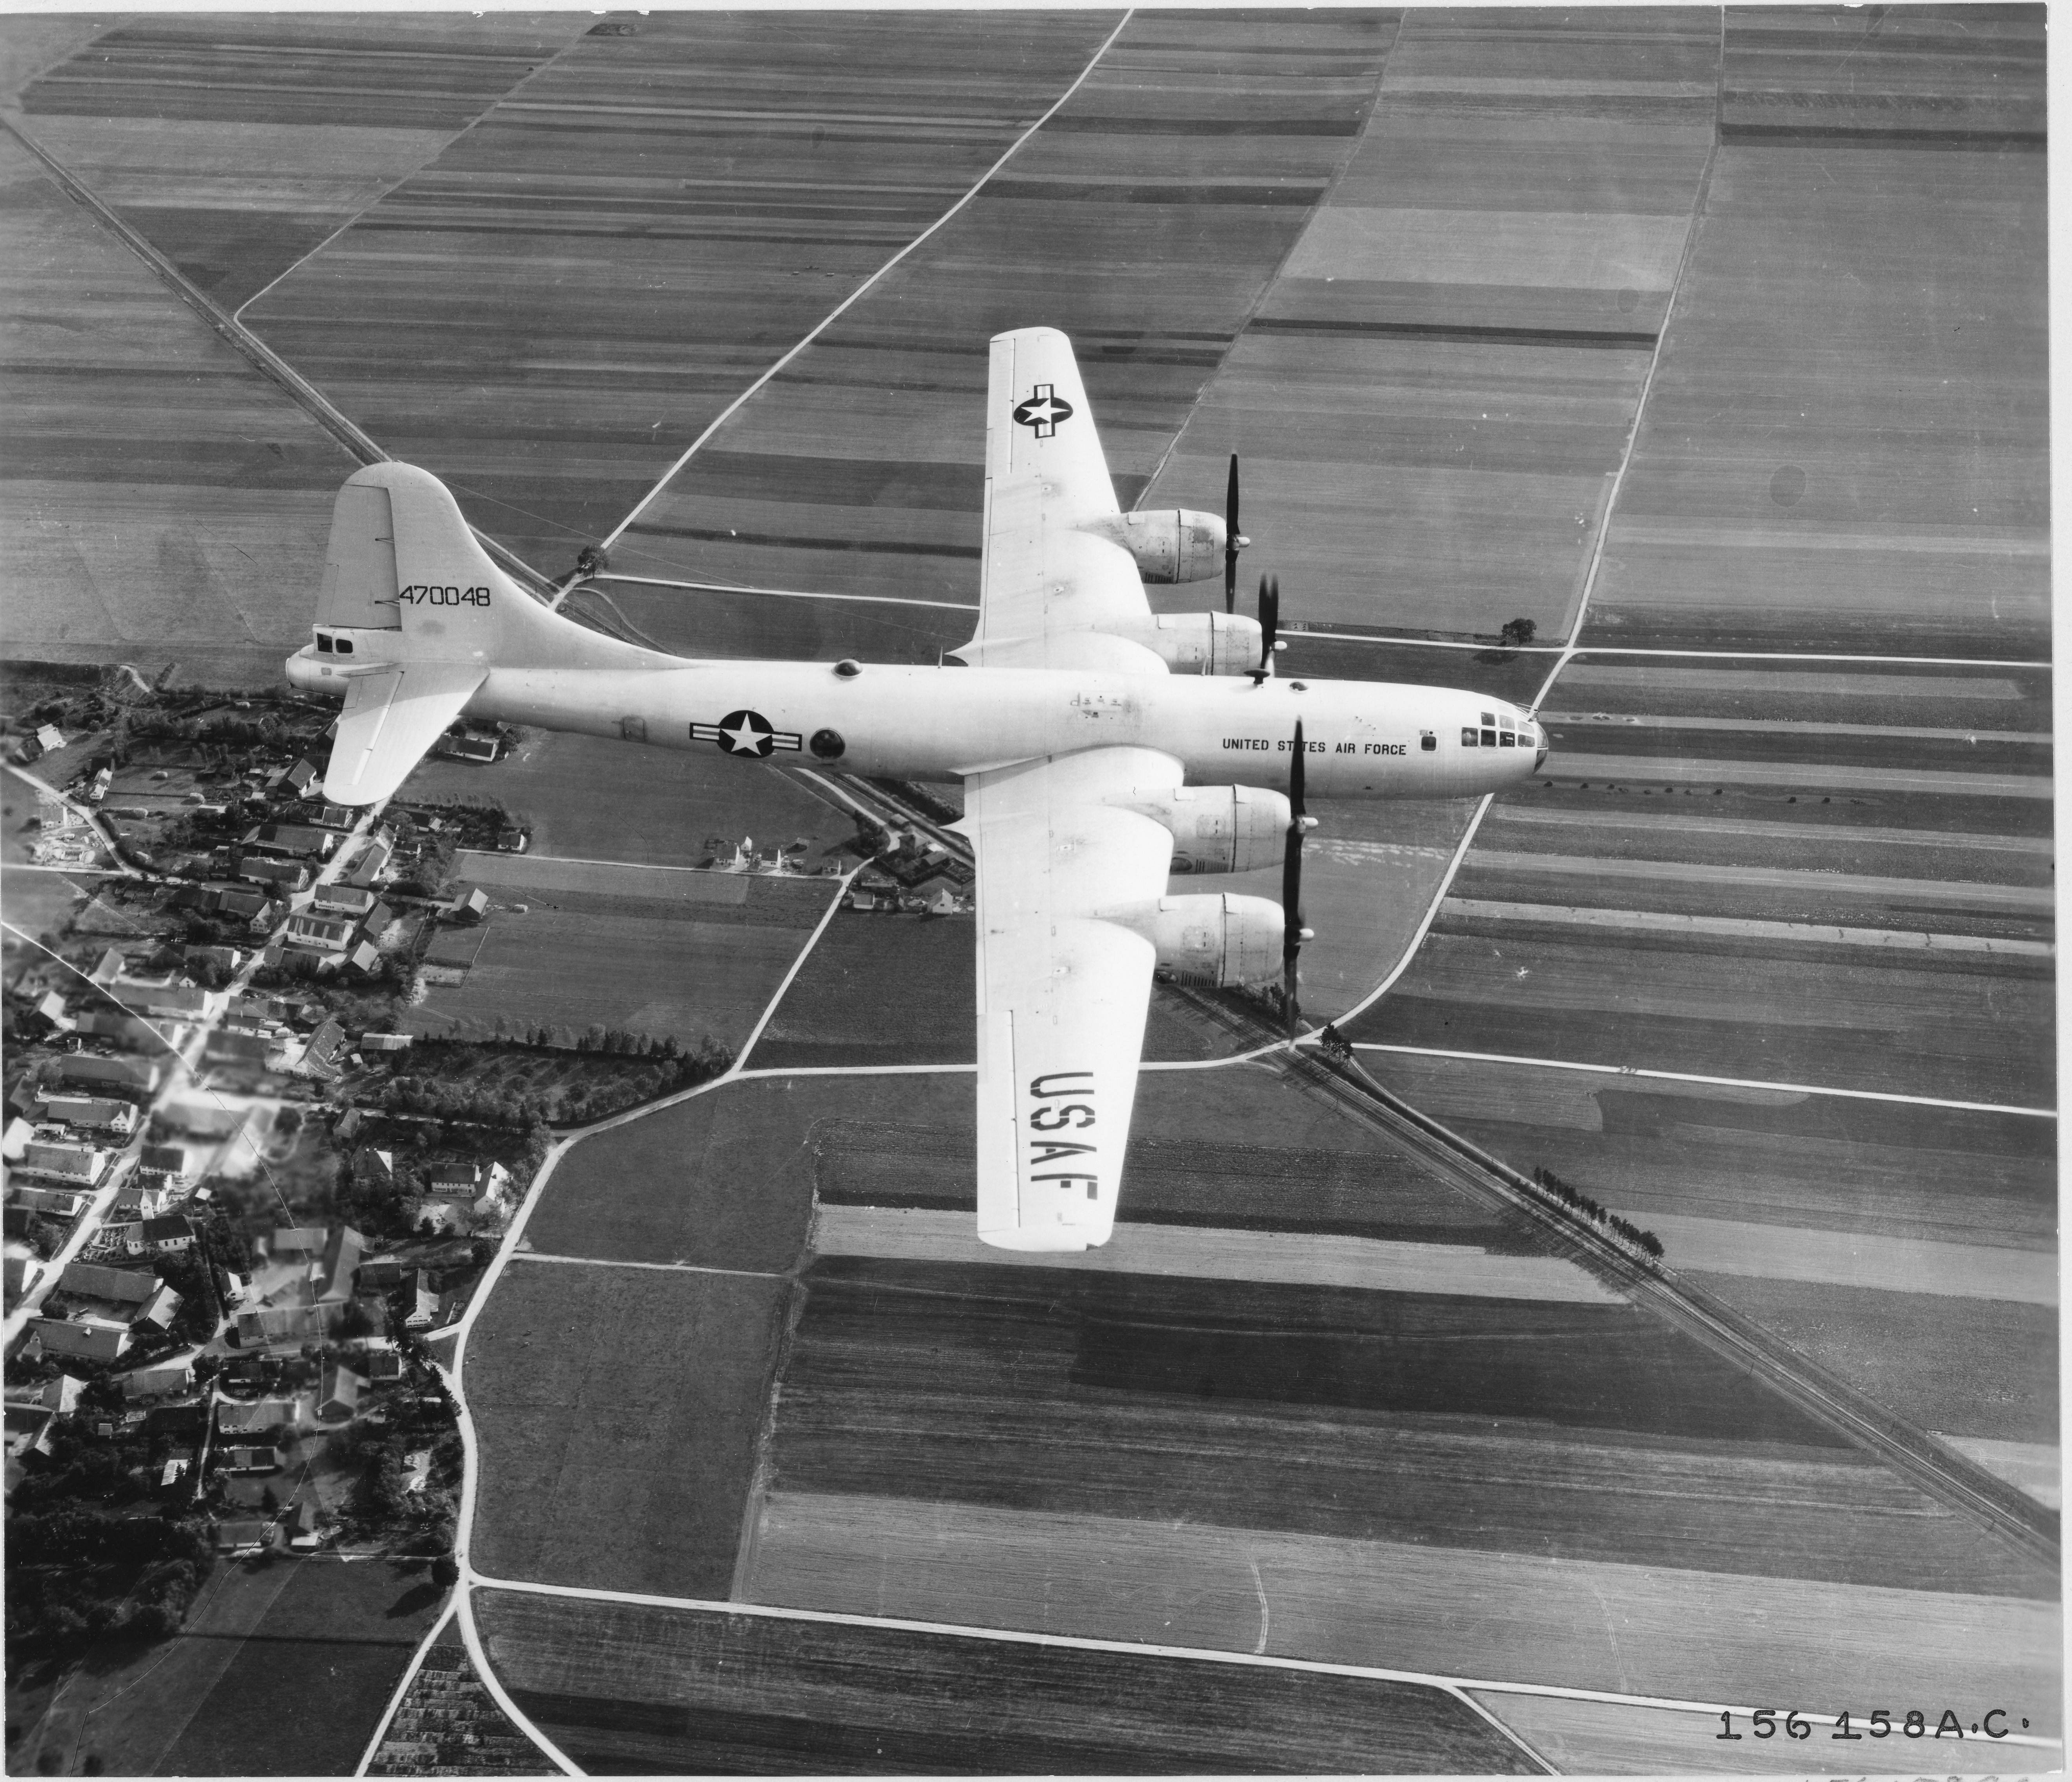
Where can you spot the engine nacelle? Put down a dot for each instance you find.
(1197, 643)
(1215, 941)
(1218, 829)
(1169, 544)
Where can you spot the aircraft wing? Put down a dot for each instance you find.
(1063, 990)
(392, 714)
(1049, 587)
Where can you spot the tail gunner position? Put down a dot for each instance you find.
(1102, 747)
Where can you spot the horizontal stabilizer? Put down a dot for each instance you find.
(392, 717)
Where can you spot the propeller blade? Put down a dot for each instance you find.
(1232, 542)
(1269, 625)
(1292, 933)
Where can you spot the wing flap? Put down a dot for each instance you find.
(392, 717)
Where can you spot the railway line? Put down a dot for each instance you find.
(1959, 1484)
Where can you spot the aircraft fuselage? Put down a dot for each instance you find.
(1363, 740)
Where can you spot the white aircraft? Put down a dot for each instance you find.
(1102, 747)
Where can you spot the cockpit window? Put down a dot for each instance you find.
(1489, 717)
(1467, 738)
(1489, 739)
(345, 646)
(323, 643)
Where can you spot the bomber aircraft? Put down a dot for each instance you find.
(1102, 748)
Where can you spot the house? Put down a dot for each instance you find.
(296, 1240)
(263, 869)
(51, 1005)
(14, 1278)
(372, 863)
(339, 1397)
(226, 1047)
(364, 955)
(341, 1261)
(108, 967)
(375, 923)
(167, 1160)
(383, 1365)
(321, 1057)
(243, 1536)
(138, 1076)
(250, 905)
(471, 908)
(270, 1326)
(118, 1286)
(170, 1234)
(223, 959)
(385, 1042)
(301, 1522)
(424, 1309)
(173, 1002)
(51, 1203)
(125, 1030)
(201, 1118)
(343, 900)
(90, 1338)
(159, 1311)
(252, 1422)
(331, 817)
(381, 1272)
(252, 1459)
(319, 933)
(297, 779)
(454, 1181)
(464, 747)
(60, 1162)
(92, 1112)
(497, 1197)
(49, 738)
(159, 1382)
(15, 1139)
(291, 840)
(60, 1397)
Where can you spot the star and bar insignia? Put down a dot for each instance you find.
(746, 733)
(1042, 411)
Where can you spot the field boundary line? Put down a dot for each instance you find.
(728, 412)
(1715, 1082)
(797, 964)
(666, 1268)
(1023, 1636)
(1628, 649)
(783, 593)
(402, 1689)
(763, 1073)
(631, 866)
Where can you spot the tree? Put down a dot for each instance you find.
(445, 1571)
(1519, 633)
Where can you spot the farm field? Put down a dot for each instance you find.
(223, 1696)
(172, 504)
(1456, 344)
(624, 1689)
(1145, 219)
(726, 1179)
(1522, 1616)
(1465, 1422)
(879, 990)
(661, 965)
(590, 798)
(1843, 498)
(654, 1476)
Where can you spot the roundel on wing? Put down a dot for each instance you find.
(1042, 410)
(747, 732)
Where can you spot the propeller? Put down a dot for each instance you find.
(1294, 934)
(1233, 541)
(1270, 626)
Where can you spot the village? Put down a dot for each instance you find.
(226, 1261)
